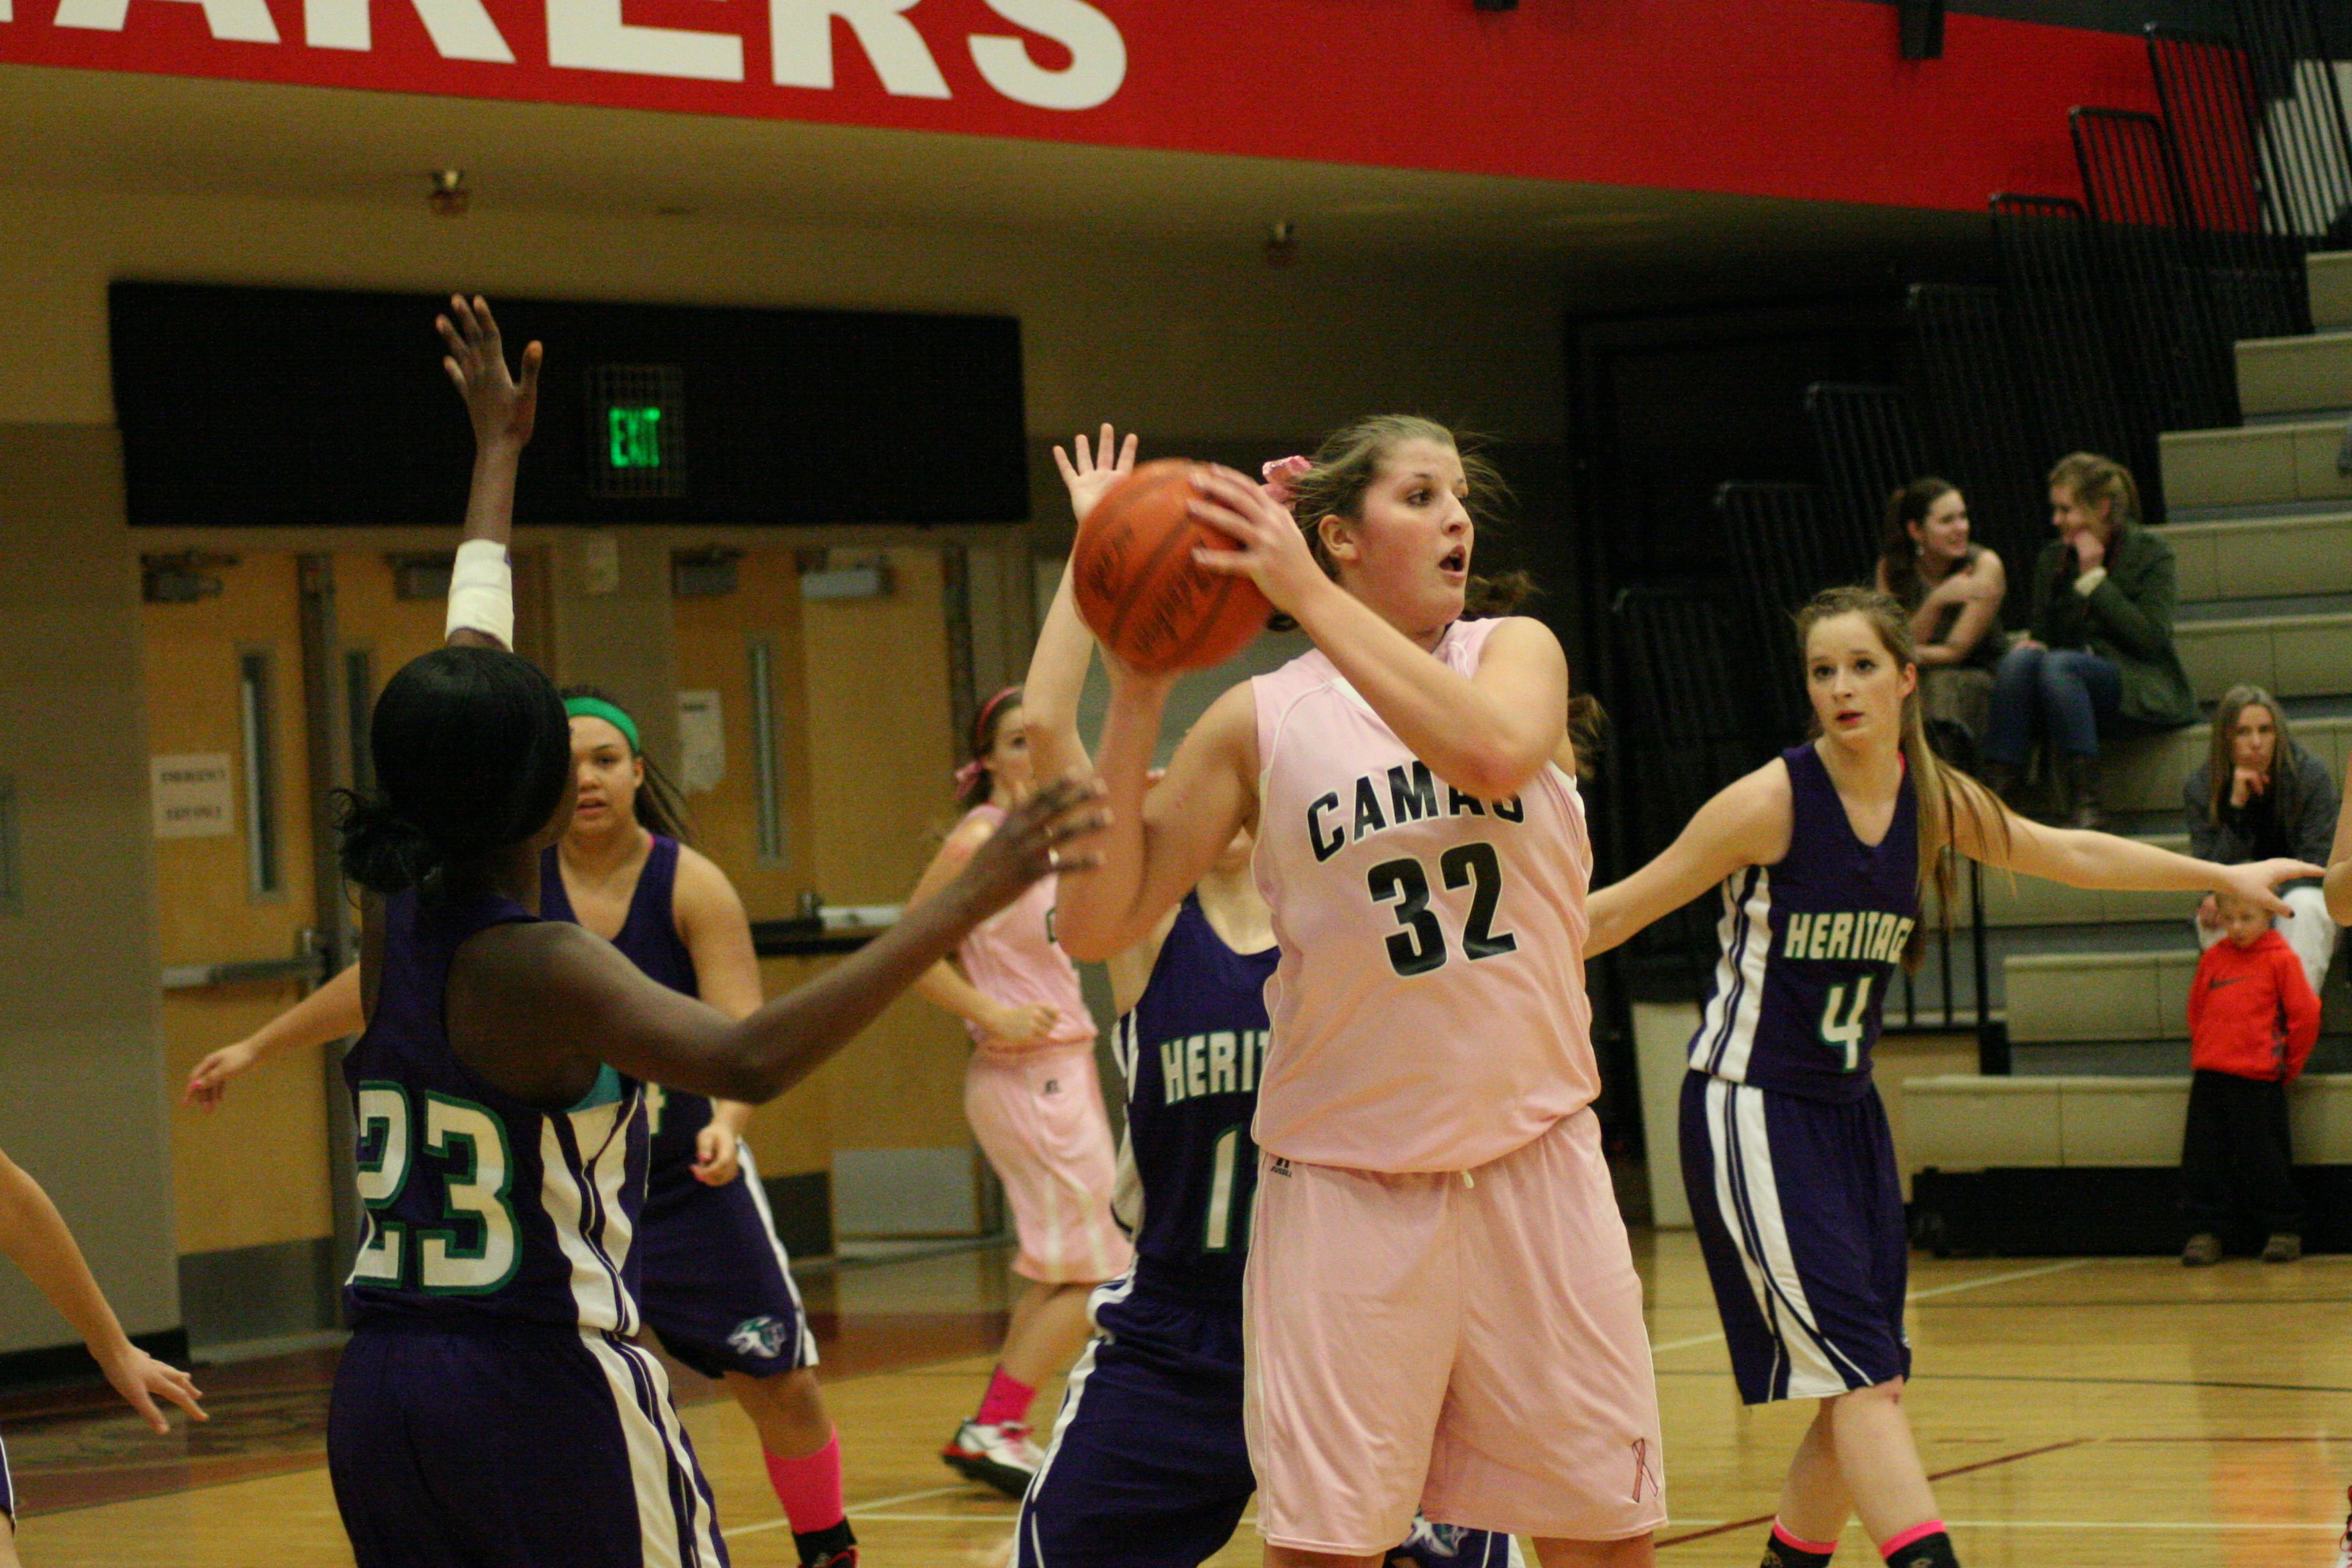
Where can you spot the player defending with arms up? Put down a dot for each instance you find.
(1427, 1094)
(1821, 855)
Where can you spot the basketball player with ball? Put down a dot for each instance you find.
(1426, 1097)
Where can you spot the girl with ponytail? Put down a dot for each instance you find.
(1823, 856)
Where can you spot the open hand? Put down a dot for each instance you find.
(208, 1080)
(1034, 842)
(718, 1154)
(2254, 881)
(1269, 548)
(1095, 470)
(141, 1379)
(503, 409)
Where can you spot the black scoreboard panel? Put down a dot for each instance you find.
(315, 408)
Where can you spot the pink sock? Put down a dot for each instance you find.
(809, 1487)
(1008, 1399)
(1893, 1545)
(1781, 1534)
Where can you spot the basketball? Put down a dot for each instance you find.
(1140, 589)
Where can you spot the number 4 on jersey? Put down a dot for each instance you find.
(1846, 1037)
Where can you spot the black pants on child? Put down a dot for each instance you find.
(2234, 1155)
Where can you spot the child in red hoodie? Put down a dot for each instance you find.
(2252, 1021)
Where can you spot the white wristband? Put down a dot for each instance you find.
(481, 591)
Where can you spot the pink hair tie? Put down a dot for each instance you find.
(969, 774)
(1282, 477)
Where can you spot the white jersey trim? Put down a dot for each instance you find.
(806, 1353)
(1727, 1030)
(676, 1524)
(581, 1181)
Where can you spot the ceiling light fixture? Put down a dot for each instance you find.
(450, 196)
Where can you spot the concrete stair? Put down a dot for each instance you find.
(1969, 1123)
(2255, 466)
(2328, 276)
(2263, 557)
(2146, 773)
(2294, 375)
(2292, 655)
(2143, 995)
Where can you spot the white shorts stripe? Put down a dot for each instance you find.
(1746, 1192)
(806, 1355)
(674, 1516)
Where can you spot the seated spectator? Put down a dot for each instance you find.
(2099, 661)
(2252, 1023)
(1952, 590)
(2260, 795)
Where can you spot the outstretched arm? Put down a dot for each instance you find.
(2084, 859)
(502, 408)
(2339, 862)
(944, 985)
(536, 1007)
(1746, 824)
(35, 1236)
(329, 1012)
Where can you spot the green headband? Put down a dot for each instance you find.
(597, 708)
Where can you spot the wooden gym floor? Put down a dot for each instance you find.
(2084, 1412)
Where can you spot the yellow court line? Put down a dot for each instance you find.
(1952, 1290)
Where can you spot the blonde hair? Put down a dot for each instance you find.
(2094, 479)
(1947, 797)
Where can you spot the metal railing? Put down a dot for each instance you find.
(1784, 550)
(1868, 448)
(2305, 147)
(1979, 428)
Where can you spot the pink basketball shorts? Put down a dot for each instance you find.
(1040, 1119)
(1468, 1342)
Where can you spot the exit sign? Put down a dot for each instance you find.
(635, 437)
(636, 431)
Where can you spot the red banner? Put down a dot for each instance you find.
(1768, 98)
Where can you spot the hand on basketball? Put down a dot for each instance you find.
(1095, 470)
(1022, 1027)
(718, 1154)
(208, 1083)
(503, 409)
(1034, 841)
(2254, 881)
(142, 1380)
(1268, 547)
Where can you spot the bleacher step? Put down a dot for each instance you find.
(2031, 901)
(2061, 997)
(1966, 1123)
(2253, 466)
(2146, 775)
(2265, 557)
(2293, 655)
(2290, 376)
(2328, 276)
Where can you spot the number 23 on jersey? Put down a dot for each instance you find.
(474, 1253)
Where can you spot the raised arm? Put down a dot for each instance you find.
(1488, 735)
(1746, 824)
(537, 1007)
(35, 1238)
(1057, 668)
(2081, 859)
(503, 409)
(329, 1012)
(1159, 844)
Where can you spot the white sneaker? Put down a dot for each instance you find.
(1000, 1455)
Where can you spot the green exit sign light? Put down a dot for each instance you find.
(634, 437)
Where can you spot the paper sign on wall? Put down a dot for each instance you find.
(192, 796)
(702, 743)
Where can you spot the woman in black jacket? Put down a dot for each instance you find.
(2100, 660)
(2259, 795)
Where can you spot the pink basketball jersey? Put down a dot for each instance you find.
(1013, 958)
(1429, 1010)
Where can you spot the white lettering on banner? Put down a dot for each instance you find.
(1098, 55)
(588, 35)
(460, 29)
(800, 34)
(246, 21)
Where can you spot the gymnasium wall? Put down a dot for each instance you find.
(1201, 349)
